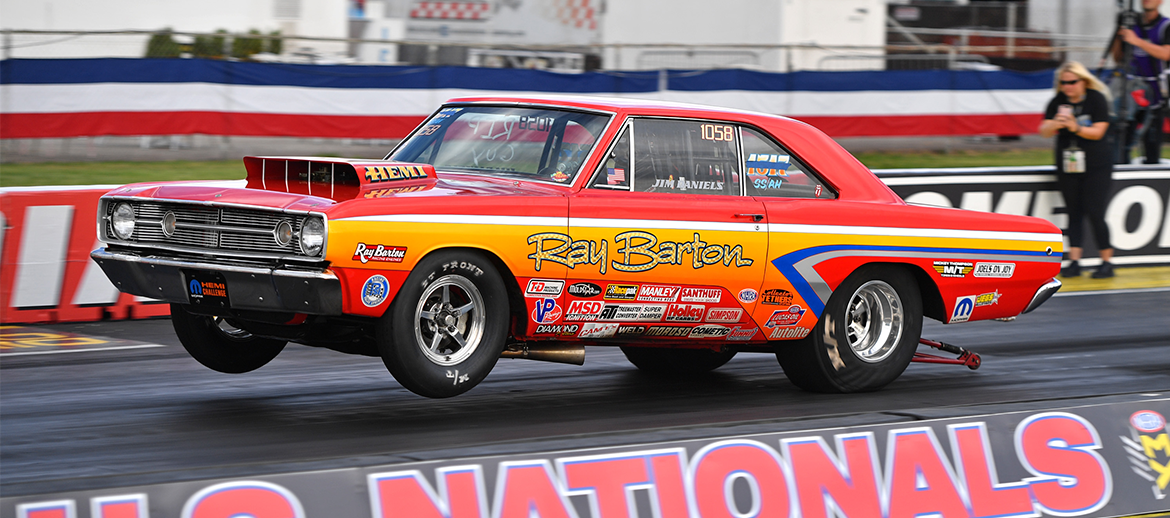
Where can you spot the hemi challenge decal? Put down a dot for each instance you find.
(799, 266)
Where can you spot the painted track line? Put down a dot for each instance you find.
(29, 353)
(1110, 292)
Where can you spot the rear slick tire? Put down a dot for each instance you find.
(219, 346)
(865, 338)
(662, 361)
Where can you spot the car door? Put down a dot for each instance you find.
(663, 241)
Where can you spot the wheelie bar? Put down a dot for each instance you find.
(969, 358)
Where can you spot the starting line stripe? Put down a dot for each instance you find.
(60, 351)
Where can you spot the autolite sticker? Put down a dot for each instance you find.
(379, 253)
(785, 317)
(788, 332)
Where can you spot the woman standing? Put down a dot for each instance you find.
(1079, 118)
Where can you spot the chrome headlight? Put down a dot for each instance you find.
(312, 236)
(123, 221)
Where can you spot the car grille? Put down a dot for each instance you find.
(230, 230)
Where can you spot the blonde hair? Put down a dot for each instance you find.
(1080, 71)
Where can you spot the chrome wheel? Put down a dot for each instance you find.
(875, 320)
(449, 320)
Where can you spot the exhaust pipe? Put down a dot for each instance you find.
(553, 352)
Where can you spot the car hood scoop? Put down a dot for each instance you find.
(339, 179)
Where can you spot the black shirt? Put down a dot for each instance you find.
(1092, 109)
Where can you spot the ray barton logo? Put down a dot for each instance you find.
(1148, 446)
(379, 253)
(636, 251)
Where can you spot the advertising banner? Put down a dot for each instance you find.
(1091, 461)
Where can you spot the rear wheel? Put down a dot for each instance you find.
(220, 346)
(865, 338)
(447, 326)
(659, 360)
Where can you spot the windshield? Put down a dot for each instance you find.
(532, 143)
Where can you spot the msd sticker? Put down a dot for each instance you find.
(584, 310)
(379, 253)
(544, 288)
(546, 311)
(963, 308)
(785, 317)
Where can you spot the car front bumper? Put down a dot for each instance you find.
(248, 287)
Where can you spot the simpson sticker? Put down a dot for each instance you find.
(785, 317)
(658, 293)
(956, 269)
(963, 308)
(594, 330)
(584, 290)
(776, 298)
(741, 334)
(987, 299)
(668, 331)
(707, 295)
(685, 312)
(379, 253)
(748, 295)
(621, 292)
(544, 288)
(709, 331)
(788, 332)
(546, 311)
(374, 291)
(584, 310)
(994, 270)
(725, 315)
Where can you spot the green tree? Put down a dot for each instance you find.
(162, 45)
(243, 47)
(274, 44)
(209, 46)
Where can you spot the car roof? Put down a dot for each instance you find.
(615, 104)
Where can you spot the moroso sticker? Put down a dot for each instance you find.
(785, 317)
(634, 251)
(621, 292)
(374, 291)
(708, 295)
(668, 331)
(546, 311)
(709, 331)
(595, 330)
(379, 253)
(776, 298)
(584, 290)
(963, 308)
(563, 330)
(584, 310)
(741, 334)
(788, 332)
(544, 288)
(658, 293)
(631, 330)
(748, 295)
(994, 270)
(725, 315)
(987, 299)
(1148, 445)
(394, 172)
(685, 312)
(953, 268)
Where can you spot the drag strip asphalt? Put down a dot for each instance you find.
(119, 417)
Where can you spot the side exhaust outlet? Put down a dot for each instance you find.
(556, 353)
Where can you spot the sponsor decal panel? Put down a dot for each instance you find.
(785, 317)
(963, 308)
(788, 332)
(563, 329)
(709, 331)
(658, 293)
(379, 253)
(621, 292)
(598, 330)
(1148, 445)
(955, 269)
(544, 288)
(776, 297)
(685, 312)
(987, 299)
(546, 311)
(724, 315)
(374, 291)
(741, 334)
(994, 270)
(748, 295)
(633, 252)
(668, 331)
(584, 310)
(584, 290)
(705, 295)
(632, 312)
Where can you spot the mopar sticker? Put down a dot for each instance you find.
(963, 308)
(375, 290)
(994, 270)
(544, 288)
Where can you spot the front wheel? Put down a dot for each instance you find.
(219, 346)
(447, 326)
(657, 360)
(865, 338)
